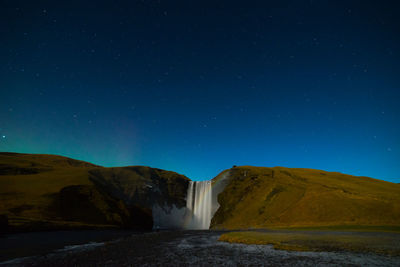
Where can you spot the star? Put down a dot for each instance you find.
(4, 136)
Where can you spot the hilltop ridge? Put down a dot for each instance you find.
(49, 192)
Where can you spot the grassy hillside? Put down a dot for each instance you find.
(28, 183)
(257, 197)
(40, 192)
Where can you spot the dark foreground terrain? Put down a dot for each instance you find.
(179, 248)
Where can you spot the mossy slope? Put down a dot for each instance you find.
(42, 192)
(258, 197)
(382, 243)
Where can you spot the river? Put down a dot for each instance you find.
(167, 248)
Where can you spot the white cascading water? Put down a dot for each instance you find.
(199, 204)
(189, 198)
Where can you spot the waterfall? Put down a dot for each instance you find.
(198, 204)
(189, 198)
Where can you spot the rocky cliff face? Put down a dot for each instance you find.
(85, 203)
(142, 185)
(162, 192)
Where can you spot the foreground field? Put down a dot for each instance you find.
(195, 248)
(295, 240)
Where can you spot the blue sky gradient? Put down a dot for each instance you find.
(198, 86)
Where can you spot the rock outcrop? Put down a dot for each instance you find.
(85, 203)
(3, 223)
(162, 192)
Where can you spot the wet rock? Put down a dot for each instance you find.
(85, 203)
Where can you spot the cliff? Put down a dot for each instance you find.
(48, 192)
(258, 197)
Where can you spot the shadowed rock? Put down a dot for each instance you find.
(3, 223)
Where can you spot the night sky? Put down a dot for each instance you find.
(198, 86)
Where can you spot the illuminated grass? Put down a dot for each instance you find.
(31, 195)
(322, 241)
(353, 228)
(259, 198)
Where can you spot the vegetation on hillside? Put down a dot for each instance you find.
(48, 192)
(319, 241)
(258, 197)
(39, 192)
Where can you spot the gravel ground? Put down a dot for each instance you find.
(196, 248)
